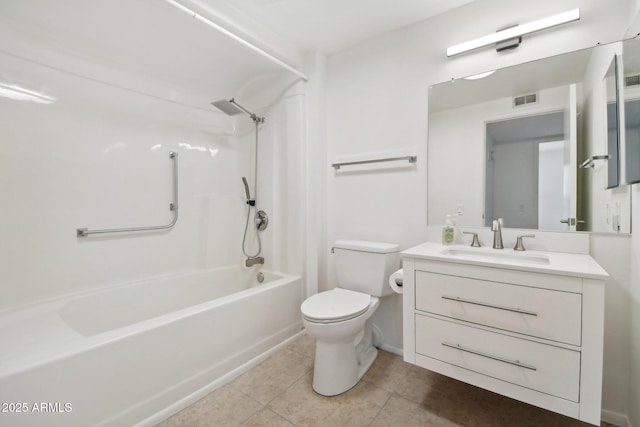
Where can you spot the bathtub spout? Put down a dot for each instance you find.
(254, 260)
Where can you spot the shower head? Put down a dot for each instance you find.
(231, 108)
(228, 107)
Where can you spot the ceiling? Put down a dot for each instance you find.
(153, 48)
(330, 26)
(159, 43)
(541, 127)
(169, 54)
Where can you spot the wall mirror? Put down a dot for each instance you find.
(509, 143)
(612, 124)
(631, 95)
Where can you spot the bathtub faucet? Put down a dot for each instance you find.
(254, 260)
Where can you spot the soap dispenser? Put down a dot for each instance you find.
(448, 235)
(456, 230)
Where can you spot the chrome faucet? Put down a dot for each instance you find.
(475, 242)
(253, 261)
(519, 246)
(496, 227)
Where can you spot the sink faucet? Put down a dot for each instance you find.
(519, 246)
(253, 261)
(475, 242)
(497, 233)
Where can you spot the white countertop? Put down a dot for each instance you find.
(564, 264)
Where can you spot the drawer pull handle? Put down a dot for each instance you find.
(484, 304)
(488, 356)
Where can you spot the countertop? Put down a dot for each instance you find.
(564, 264)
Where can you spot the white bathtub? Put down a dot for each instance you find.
(121, 355)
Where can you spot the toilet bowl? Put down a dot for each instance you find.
(338, 363)
(340, 319)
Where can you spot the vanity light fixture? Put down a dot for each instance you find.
(515, 32)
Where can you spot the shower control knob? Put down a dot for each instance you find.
(261, 220)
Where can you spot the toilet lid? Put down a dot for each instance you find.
(335, 305)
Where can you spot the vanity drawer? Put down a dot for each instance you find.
(543, 313)
(541, 367)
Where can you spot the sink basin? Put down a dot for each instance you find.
(496, 255)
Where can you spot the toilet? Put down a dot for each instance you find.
(339, 319)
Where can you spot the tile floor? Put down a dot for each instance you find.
(393, 393)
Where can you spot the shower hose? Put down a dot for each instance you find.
(244, 238)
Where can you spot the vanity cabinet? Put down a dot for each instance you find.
(533, 334)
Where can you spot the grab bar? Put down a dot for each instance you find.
(173, 207)
(589, 162)
(411, 159)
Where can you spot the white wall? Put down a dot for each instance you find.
(602, 204)
(634, 302)
(634, 280)
(376, 101)
(634, 318)
(281, 180)
(315, 190)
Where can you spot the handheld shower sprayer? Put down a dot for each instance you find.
(247, 192)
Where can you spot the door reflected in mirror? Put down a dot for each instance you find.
(525, 172)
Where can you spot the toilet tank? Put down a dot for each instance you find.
(364, 266)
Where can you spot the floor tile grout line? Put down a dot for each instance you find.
(284, 390)
(248, 397)
(282, 416)
(378, 386)
(300, 352)
(381, 408)
(265, 361)
(274, 410)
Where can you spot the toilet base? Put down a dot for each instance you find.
(340, 365)
(344, 352)
(367, 360)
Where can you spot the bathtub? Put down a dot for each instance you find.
(136, 352)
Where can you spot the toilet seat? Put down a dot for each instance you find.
(335, 306)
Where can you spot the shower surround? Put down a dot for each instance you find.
(87, 145)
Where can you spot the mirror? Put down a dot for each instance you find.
(631, 91)
(613, 124)
(508, 144)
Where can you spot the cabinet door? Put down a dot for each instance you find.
(542, 313)
(541, 367)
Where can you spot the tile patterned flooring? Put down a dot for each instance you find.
(392, 393)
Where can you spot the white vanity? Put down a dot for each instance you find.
(528, 325)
